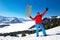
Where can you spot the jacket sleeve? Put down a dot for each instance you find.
(32, 18)
(43, 13)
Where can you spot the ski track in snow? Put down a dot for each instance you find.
(53, 34)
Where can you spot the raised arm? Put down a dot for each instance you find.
(44, 12)
(32, 18)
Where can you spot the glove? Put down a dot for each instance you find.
(30, 16)
(46, 9)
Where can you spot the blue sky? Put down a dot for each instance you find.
(18, 8)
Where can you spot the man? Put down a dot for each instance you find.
(38, 21)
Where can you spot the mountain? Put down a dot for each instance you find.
(24, 20)
(50, 22)
(6, 21)
(53, 33)
(9, 20)
(12, 20)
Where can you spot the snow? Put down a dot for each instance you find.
(17, 27)
(53, 16)
(53, 31)
(58, 16)
(53, 34)
(4, 24)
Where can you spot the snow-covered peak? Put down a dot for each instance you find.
(53, 17)
(58, 17)
(12, 20)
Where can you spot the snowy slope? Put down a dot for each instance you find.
(50, 32)
(17, 27)
(54, 34)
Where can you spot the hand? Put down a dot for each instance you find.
(30, 16)
(46, 9)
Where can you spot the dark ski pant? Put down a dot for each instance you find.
(41, 27)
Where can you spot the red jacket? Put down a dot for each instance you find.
(38, 18)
